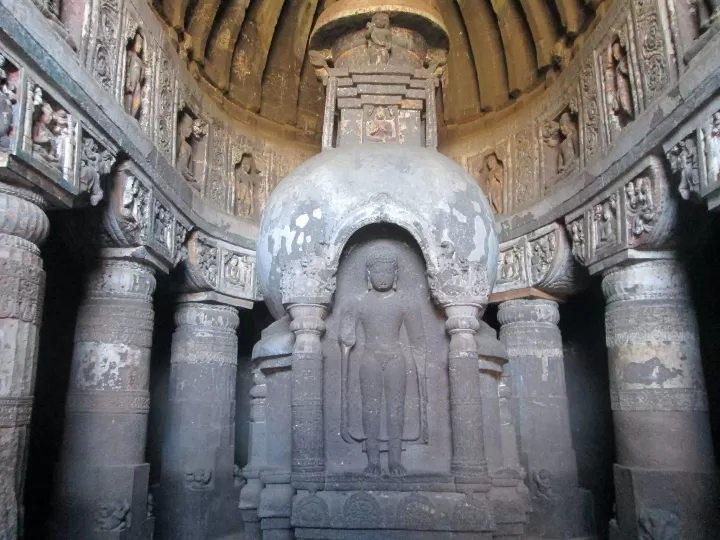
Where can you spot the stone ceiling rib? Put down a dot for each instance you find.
(486, 46)
(282, 73)
(200, 25)
(571, 15)
(519, 47)
(219, 54)
(251, 52)
(543, 28)
(459, 100)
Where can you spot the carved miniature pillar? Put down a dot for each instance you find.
(23, 226)
(308, 436)
(665, 466)
(199, 442)
(534, 345)
(103, 477)
(468, 461)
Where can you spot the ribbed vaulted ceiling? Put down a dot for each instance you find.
(255, 51)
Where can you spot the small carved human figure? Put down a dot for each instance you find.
(577, 235)
(493, 176)
(8, 99)
(95, 163)
(619, 90)
(510, 268)
(184, 148)
(712, 148)
(640, 203)
(134, 76)
(42, 134)
(605, 216)
(379, 38)
(381, 124)
(568, 150)
(235, 271)
(684, 162)
(247, 179)
(543, 484)
(380, 312)
(114, 517)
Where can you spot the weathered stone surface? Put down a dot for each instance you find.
(658, 396)
(535, 361)
(103, 477)
(197, 485)
(23, 226)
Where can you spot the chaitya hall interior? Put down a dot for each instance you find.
(359, 269)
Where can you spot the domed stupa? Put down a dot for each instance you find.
(377, 257)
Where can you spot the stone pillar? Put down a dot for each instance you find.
(102, 476)
(534, 345)
(23, 225)
(197, 485)
(664, 476)
(308, 435)
(468, 461)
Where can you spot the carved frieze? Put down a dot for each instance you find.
(592, 128)
(9, 98)
(165, 113)
(541, 260)
(96, 162)
(457, 280)
(308, 278)
(634, 214)
(524, 169)
(216, 187)
(652, 47)
(102, 39)
(50, 131)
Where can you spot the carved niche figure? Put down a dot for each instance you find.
(640, 205)
(135, 205)
(712, 148)
(605, 213)
(492, 176)
(134, 76)
(50, 132)
(577, 236)
(379, 38)
(569, 143)
(163, 226)
(684, 163)
(510, 267)
(543, 484)
(236, 270)
(619, 91)
(95, 163)
(199, 479)
(247, 180)
(114, 517)
(8, 101)
(543, 252)
(380, 125)
(190, 131)
(380, 313)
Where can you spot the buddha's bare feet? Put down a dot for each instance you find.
(396, 469)
(373, 469)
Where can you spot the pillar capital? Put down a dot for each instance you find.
(660, 279)
(525, 310)
(22, 214)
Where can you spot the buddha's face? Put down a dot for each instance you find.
(382, 276)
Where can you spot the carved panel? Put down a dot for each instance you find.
(524, 168)
(10, 88)
(653, 35)
(216, 187)
(490, 172)
(560, 155)
(238, 274)
(163, 230)
(248, 184)
(591, 129)
(50, 133)
(512, 266)
(683, 158)
(191, 145)
(95, 163)
(102, 49)
(165, 114)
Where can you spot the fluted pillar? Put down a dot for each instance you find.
(23, 226)
(665, 471)
(529, 330)
(199, 445)
(102, 477)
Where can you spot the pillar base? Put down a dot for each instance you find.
(121, 514)
(665, 504)
(567, 516)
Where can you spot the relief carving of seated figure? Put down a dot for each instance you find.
(381, 313)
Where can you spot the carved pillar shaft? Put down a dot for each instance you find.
(665, 466)
(308, 437)
(468, 461)
(656, 381)
(535, 358)
(199, 443)
(23, 225)
(529, 331)
(103, 477)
